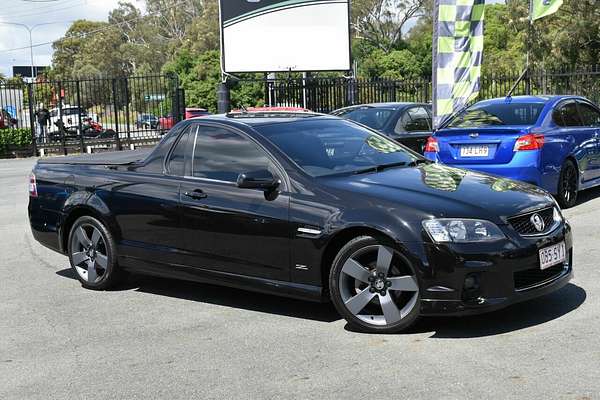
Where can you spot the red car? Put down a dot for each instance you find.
(166, 123)
(267, 109)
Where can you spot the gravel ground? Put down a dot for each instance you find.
(156, 338)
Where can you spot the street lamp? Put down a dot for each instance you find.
(30, 30)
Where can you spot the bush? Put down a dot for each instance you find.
(20, 137)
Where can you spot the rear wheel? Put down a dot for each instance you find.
(92, 254)
(374, 287)
(567, 185)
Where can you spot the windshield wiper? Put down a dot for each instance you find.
(379, 168)
(417, 162)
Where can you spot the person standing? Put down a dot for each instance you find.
(43, 117)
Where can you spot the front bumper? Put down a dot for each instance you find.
(506, 273)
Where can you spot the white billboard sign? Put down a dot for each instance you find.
(284, 35)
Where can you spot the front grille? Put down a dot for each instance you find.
(523, 225)
(535, 276)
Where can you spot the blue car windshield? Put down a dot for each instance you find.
(324, 147)
(497, 115)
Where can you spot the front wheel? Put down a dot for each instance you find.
(567, 185)
(92, 254)
(374, 287)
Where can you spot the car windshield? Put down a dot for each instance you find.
(375, 118)
(497, 115)
(324, 147)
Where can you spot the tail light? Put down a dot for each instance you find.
(32, 186)
(432, 145)
(530, 141)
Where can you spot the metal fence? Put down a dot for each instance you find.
(327, 94)
(116, 113)
(92, 114)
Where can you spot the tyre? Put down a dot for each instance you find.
(374, 287)
(92, 254)
(567, 185)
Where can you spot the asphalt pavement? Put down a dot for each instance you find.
(163, 339)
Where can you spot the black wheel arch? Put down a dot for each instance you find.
(74, 213)
(341, 237)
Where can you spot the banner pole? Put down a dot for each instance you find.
(528, 57)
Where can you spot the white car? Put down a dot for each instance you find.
(70, 117)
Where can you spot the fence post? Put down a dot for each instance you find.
(63, 139)
(116, 112)
(30, 100)
(223, 98)
(127, 121)
(79, 119)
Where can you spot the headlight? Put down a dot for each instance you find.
(447, 230)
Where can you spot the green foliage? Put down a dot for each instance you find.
(390, 39)
(20, 137)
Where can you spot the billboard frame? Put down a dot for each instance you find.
(289, 70)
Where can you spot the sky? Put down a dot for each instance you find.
(60, 13)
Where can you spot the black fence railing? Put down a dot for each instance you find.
(88, 114)
(328, 94)
(116, 113)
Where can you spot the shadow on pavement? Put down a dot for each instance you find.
(588, 195)
(224, 296)
(519, 316)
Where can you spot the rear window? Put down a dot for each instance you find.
(375, 118)
(498, 114)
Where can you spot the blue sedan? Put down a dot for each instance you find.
(549, 141)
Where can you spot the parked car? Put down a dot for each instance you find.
(69, 115)
(549, 141)
(166, 123)
(407, 123)
(307, 206)
(196, 112)
(146, 121)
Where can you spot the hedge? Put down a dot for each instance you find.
(20, 137)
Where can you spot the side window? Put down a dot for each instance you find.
(589, 115)
(415, 119)
(176, 165)
(567, 115)
(222, 155)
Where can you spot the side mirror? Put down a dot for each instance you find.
(261, 179)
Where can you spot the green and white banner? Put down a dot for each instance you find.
(543, 8)
(457, 55)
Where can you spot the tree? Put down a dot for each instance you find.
(88, 47)
(382, 22)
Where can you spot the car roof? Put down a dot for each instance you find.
(264, 118)
(540, 99)
(388, 105)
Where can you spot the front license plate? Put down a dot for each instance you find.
(552, 255)
(474, 151)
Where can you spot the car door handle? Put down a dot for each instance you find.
(196, 194)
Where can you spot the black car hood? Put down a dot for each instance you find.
(435, 190)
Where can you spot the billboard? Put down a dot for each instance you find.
(25, 71)
(284, 35)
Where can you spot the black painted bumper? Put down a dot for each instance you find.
(496, 268)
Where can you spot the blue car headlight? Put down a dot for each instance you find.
(453, 230)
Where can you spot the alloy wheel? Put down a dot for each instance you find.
(89, 253)
(377, 289)
(567, 187)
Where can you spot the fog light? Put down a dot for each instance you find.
(471, 282)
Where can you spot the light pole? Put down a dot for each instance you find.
(30, 30)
